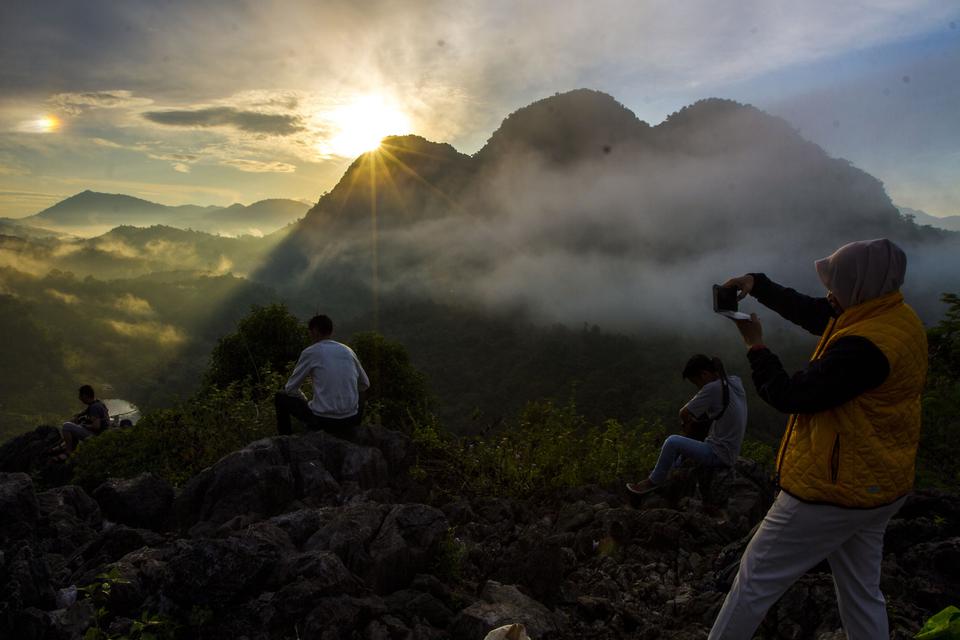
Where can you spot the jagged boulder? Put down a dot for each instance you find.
(69, 519)
(386, 546)
(28, 451)
(19, 510)
(141, 502)
(266, 477)
(502, 605)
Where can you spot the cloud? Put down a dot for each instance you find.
(249, 121)
(164, 334)
(75, 103)
(132, 305)
(257, 166)
(66, 298)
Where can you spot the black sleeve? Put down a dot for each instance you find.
(849, 367)
(812, 314)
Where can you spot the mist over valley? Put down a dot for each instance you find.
(579, 238)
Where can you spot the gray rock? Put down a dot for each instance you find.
(109, 546)
(501, 605)
(269, 476)
(141, 502)
(19, 509)
(216, 572)
(397, 448)
(299, 525)
(69, 519)
(347, 531)
(404, 546)
(256, 481)
(421, 604)
(27, 451)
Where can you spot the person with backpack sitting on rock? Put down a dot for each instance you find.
(714, 422)
(338, 378)
(93, 420)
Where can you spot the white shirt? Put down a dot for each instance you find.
(337, 377)
(726, 434)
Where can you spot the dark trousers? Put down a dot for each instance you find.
(298, 408)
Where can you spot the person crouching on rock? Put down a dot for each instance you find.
(89, 422)
(714, 421)
(338, 378)
(846, 461)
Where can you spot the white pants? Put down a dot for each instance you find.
(793, 538)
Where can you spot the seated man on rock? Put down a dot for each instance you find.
(93, 420)
(338, 378)
(718, 410)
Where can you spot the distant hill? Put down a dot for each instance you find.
(950, 223)
(133, 252)
(90, 213)
(15, 227)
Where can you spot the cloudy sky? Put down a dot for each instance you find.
(234, 101)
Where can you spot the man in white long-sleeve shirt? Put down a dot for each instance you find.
(338, 378)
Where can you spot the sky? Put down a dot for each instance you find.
(228, 101)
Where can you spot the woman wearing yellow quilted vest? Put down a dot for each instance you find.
(846, 461)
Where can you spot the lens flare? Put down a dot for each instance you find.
(360, 125)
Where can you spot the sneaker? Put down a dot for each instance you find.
(642, 488)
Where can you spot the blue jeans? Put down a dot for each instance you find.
(676, 447)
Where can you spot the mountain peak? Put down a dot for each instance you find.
(566, 127)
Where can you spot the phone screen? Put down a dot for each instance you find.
(724, 298)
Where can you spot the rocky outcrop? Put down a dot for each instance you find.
(314, 537)
(143, 501)
(28, 451)
(274, 475)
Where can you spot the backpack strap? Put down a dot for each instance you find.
(725, 384)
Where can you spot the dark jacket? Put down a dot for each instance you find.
(850, 366)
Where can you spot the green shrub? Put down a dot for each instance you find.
(268, 336)
(398, 396)
(760, 452)
(549, 447)
(938, 464)
(179, 442)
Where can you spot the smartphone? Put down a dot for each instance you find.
(725, 303)
(724, 298)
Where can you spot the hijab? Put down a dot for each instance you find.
(863, 270)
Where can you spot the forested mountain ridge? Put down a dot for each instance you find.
(574, 193)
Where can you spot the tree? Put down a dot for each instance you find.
(398, 391)
(938, 463)
(268, 337)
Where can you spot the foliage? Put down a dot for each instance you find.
(146, 340)
(398, 395)
(760, 452)
(448, 562)
(938, 462)
(178, 442)
(942, 626)
(150, 626)
(945, 343)
(269, 336)
(548, 447)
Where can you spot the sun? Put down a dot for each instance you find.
(43, 124)
(360, 125)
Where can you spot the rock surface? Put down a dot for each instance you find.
(143, 501)
(317, 537)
